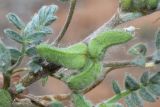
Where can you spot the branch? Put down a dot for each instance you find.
(68, 21)
(113, 22)
(110, 66)
(31, 77)
(41, 101)
(20, 70)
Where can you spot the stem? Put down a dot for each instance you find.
(7, 75)
(6, 80)
(19, 60)
(68, 21)
(20, 70)
(117, 97)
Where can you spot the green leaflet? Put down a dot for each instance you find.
(73, 57)
(89, 74)
(5, 58)
(80, 101)
(98, 45)
(5, 98)
(15, 20)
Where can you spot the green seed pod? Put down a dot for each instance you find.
(98, 45)
(125, 5)
(84, 80)
(80, 101)
(73, 57)
(152, 4)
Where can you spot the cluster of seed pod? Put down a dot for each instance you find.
(86, 58)
(138, 5)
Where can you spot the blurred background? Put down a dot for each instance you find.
(89, 15)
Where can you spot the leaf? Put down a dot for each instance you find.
(118, 105)
(46, 14)
(116, 87)
(13, 35)
(14, 19)
(50, 19)
(136, 99)
(42, 19)
(157, 39)
(37, 28)
(46, 30)
(131, 83)
(156, 56)
(31, 51)
(139, 61)
(37, 36)
(15, 53)
(20, 88)
(5, 98)
(155, 78)
(129, 101)
(34, 66)
(154, 89)
(146, 95)
(5, 58)
(145, 78)
(138, 49)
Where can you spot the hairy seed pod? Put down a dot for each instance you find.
(86, 78)
(125, 5)
(73, 57)
(80, 101)
(98, 45)
(152, 4)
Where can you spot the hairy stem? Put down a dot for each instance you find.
(67, 23)
(19, 60)
(117, 97)
(7, 75)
